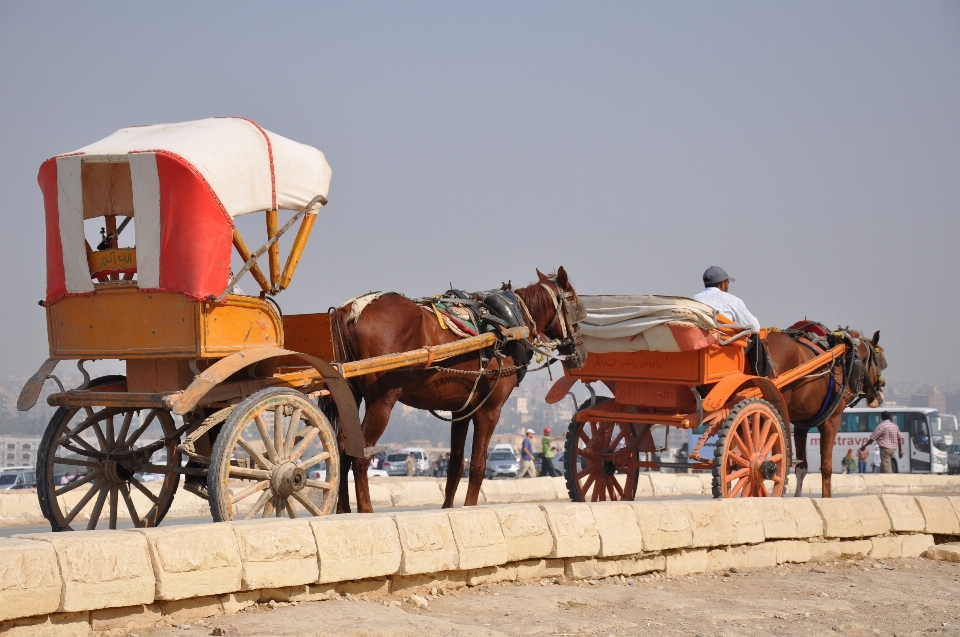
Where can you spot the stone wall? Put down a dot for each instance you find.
(109, 582)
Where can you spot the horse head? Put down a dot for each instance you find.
(569, 311)
(874, 362)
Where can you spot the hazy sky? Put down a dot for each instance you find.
(810, 148)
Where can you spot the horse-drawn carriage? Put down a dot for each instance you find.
(674, 361)
(220, 379)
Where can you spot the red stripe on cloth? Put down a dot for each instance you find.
(690, 338)
(56, 279)
(196, 233)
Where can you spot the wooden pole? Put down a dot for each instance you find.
(111, 228)
(273, 225)
(244, 253)
(306, 226)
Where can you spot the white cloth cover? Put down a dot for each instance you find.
(146, 201)
(233, 156)
(76, 271)
(617, 323)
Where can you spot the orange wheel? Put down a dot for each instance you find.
(751, 457)
(600, 461)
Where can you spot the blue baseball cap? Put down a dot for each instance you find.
(715, 274)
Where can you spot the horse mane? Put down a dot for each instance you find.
(538, 301)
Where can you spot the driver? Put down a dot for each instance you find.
(717, 282)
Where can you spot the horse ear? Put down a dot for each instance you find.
(876, 338)
(543, 277)
(562, 278)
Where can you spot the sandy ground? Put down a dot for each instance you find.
(892, 597)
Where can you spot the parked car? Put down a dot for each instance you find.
(18, 478)
(395, 464)
(953, 459)
(319, 472)
(423, 466)
(502, 463)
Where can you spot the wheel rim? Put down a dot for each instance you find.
(272, 444)
(105, 447)
(605, 453)
(754, 456)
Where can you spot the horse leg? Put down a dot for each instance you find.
(458, 442)
(800, 450)
(374, 422)
(484, 422)
(343, 489)
(828, 438)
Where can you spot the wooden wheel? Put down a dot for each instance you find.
(104, 447)
(751, 457)
(600, 461)
(265, 447)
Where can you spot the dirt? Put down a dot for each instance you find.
(914, 597)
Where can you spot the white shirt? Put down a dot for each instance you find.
(728, 305)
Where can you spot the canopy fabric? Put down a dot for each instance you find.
(183, 183)
(618, 323)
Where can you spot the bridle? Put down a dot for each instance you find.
(569, 310)
(871, 389)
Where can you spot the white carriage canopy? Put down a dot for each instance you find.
(183, 183)
(617, 323)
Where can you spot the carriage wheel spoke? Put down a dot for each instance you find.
(265, 437)
(268, 506)
(744, 450)
(740, 473)
(616, 485)
(778, 480)
(254, 453)
(777, 457)
(130, 507)
(306, 439)
(317, 484)
(582, 436)
(114, 506)
(125, 427)
(610, 490)
(111, 435)
(768, 447)
(755, 423)
(278, 430)
(248, 474)
(292, 429)
(747, 435)
(738, 487)
(309, 462)
(98, 508)
(142, 428)
(765, 433)
(762, 488)
(246, 493)
(76, 462)
(291, 512)
(259, 504)
(145, 491)
(747, 489)
(307, 503)
(743, 462)
(93, 475)
(84, 500)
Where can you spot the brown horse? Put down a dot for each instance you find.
(806, 397)
(393, 323)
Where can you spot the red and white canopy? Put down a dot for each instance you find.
(183, 183)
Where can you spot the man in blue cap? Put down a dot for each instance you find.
(717, 282)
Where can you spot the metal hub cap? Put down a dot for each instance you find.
(764, 469)
(288, 478)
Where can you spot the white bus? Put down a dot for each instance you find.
(925, 438)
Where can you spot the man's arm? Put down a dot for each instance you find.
(746, 317)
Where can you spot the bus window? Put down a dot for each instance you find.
(916, 428)
(854, 423)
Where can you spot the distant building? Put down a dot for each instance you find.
(935, 399)
(18, 451)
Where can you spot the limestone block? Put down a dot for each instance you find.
(427, 543)
(812, 484)
(824, 551)
(55, 625)
(939, 516)
(915, 545)
(664, 484)
(29, 579)
(684, 562)
(380, 496)
(18, 508)
(492, 575)
(943, 553)
(805, 514)
(194, 560)
(619, 532)
(847, 483)
(873, 482)
(423, 582)
(742, 557)
(706, 482)
(356, 545)
(525, 530)
(644, 486)
(904, 514)
(885, 547)
(747, 523)
(460, 497)
(276, 553)
(855, 549)
(590, 568)
(560, 488)
(839, 517)
(480, 542)
(711, 523)
(894, 482)
(873, 516)
(573, 528)
(775, 516)
(663, 525)
(416, 493)
(192, 607)
(124, 618)
(955, 502)
(500, 491)
(236, 602)
(793, 551)
(639, 565)
(539, 569)
(101, 569)
(535, 490)
(691, 485)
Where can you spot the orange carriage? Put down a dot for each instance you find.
(674, 361)
(220, 387)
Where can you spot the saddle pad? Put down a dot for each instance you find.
(359, 303)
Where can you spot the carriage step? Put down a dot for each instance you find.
(369, 452)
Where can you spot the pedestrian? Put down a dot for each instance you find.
(888, 439)
(411, 464)
(848, 462)
(862, 456)
(526, 457)
(546, 445)
(876, 459)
